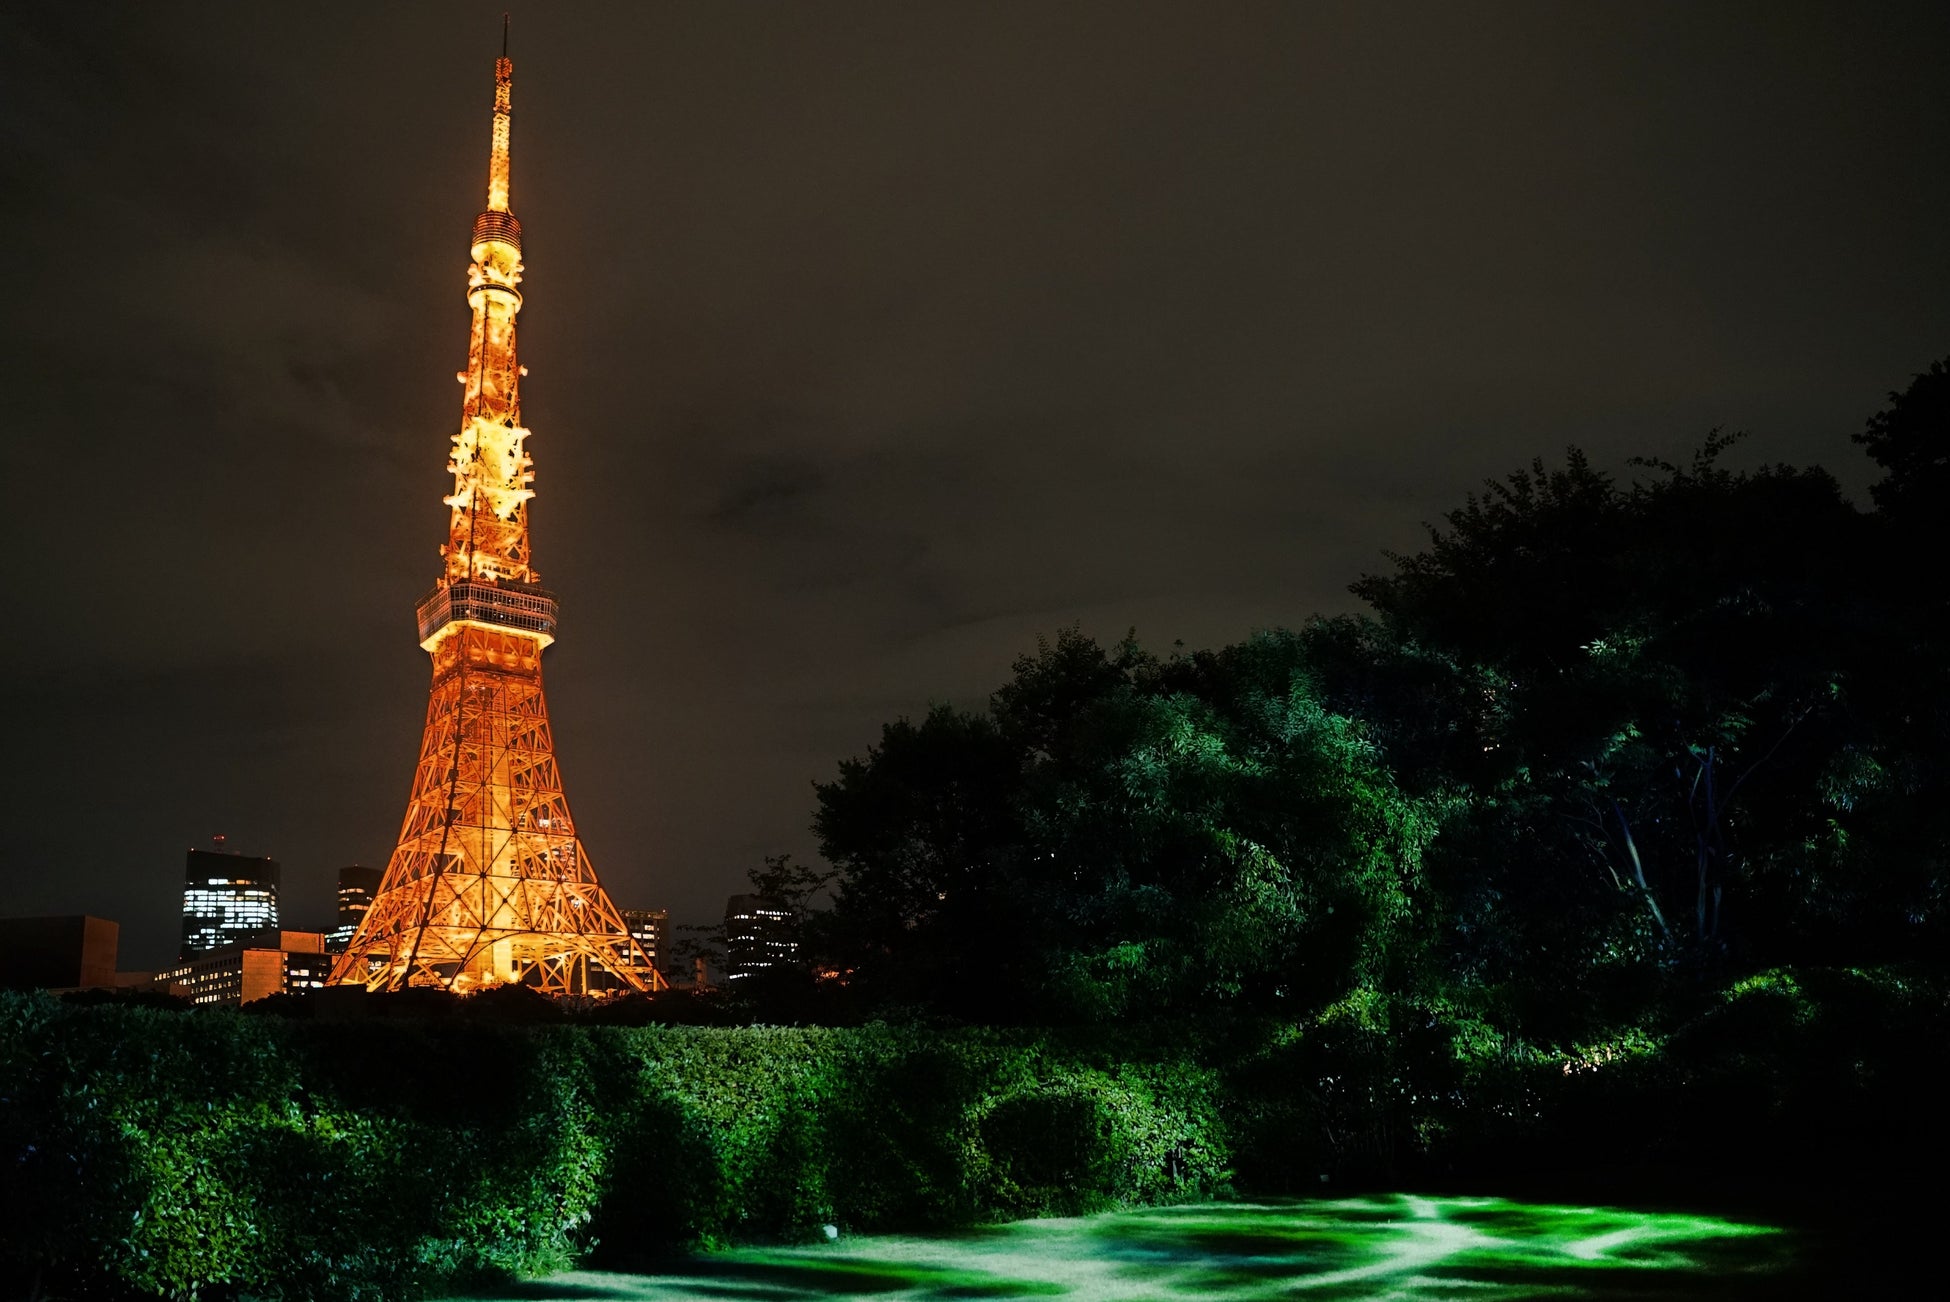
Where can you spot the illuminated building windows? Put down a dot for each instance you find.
(288, 961)
(758, 934)
(650, 929)
(228, 899)
(357, 889)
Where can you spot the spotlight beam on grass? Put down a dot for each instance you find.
(1398, 1246)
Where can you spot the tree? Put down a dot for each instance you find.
(1119, 837)
(1910, 440)
(1674, 690)
(794, 885)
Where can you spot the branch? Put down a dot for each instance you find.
(1778, 742)
(1638, 872)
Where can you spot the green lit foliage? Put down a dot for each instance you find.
(709, 1128)
(173, 1154)
(132, 1149)
(1121, 837)
(182, 1155)
(1093, 1138)
(726, 1134)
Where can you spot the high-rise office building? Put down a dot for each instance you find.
(357, 886)
(759, 933)
(228, 900)
(650, 929)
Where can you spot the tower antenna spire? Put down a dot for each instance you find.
(504, 78)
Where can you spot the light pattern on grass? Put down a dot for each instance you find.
(1398, 1247)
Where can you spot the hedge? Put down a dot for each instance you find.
(164, 1154)
(150, 1153)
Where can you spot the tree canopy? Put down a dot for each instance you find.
(1603, 733)
(1117, 836)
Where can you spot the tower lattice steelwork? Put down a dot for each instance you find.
(489, 884)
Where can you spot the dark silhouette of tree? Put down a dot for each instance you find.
(1671, 706)
(1910, 440)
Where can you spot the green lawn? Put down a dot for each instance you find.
(1397, 1247)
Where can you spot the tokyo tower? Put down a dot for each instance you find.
(489, 884)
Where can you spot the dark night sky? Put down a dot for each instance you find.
(867, 343)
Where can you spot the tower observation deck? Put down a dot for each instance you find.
(489, 883)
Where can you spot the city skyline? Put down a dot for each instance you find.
(869, 354)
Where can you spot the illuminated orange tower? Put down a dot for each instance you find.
(489, 884)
